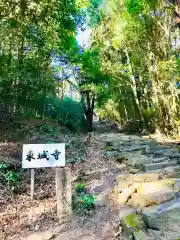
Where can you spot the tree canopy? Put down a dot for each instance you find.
(130, 71)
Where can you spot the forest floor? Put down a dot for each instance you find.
(21, 218)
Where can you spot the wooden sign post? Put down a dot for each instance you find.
(51, 155)
(32, 183)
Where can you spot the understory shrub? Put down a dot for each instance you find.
(83, 202)
(71, 114)
(9, 177)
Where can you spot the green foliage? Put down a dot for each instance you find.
(3, 166)
(83, 202)
(30, 32)
(86, 201)
(9, 178)
(79, 188)
(71, 114)
(135, 40)
(134, 6)
(47, 129)
(13, 180)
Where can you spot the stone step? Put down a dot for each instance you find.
(135, 148)
(153, 193)
(138, 178)
(164, 235)
(141, 201)
(170, 172)
(142, 235)
(132, 222)
(164, 152)
(143, 194)
(165, 216)
(159, 160)
(161, 165)
(138, 160)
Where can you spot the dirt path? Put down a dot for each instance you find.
(22, 219)
(36, 219)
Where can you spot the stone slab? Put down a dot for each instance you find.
(159, 160)
(141, 177)
(153, 193)
(177, 185)
(142, 235)
(157, 235)
(171, 236)
(126, 193)
(155, 166)
(164, 152)
(112, 154)
(165, 216)
(124, 184)
(132, 222)
(141, 201)
(138, 160)
(125, 211)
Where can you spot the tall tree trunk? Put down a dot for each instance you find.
(133, 85)
(88, 108)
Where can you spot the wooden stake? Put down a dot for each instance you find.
(32, 183)
(61, 208)
(68, 190)
(63, 192)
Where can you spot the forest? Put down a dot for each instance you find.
(129, 73)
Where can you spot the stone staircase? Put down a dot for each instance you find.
(148, 192)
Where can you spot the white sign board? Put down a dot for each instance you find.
(43, 155)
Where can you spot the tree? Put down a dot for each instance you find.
(135, 41)
(30, 32)
(92, 83)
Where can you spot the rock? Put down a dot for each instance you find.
(171, 236)
(142, 235)
(159, 160)
(126, 193)
(134, 170)
(167, 235)
(138, 160)
(123, 178)
(124, 184)
(176, 156)
(154, 166)
(166, 216)
(145, 177)
(153, 193)
(44, 235)
(125, 211)
(141, 177)
(170, 172)
(136, 148)
(132, 222)
(111, 154)
(155, 234)
(164, 152)
(177, 185)
(144, 200)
